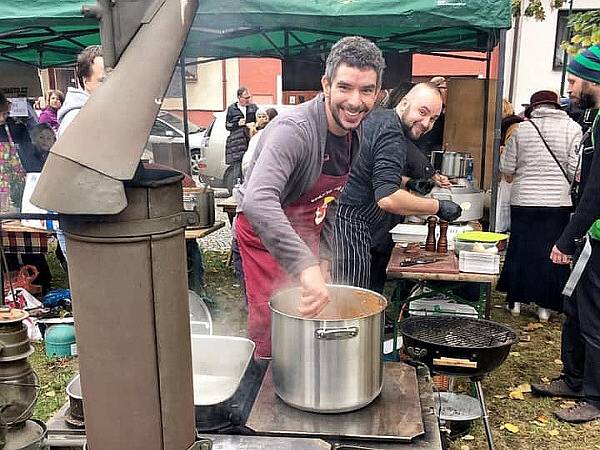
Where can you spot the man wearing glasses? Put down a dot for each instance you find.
(240, 115)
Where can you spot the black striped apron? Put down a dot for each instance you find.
(351, 261)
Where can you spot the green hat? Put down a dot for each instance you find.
(586, 64)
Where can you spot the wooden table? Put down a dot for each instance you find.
(427, 279)
(228, 205)
(198, 233)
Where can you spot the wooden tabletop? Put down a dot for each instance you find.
(15, 226)
(394, 271)
(197, 233)
(227, 203)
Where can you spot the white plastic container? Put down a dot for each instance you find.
(479, 263)
(404, 233)
(433, 306)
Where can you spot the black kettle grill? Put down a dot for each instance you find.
(459, 346)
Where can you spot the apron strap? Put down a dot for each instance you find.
(579, 267)
(9, 135)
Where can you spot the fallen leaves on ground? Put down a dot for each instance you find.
(541, 421)
(510, 427)
(514, 354)
(553, 433)
(517, 394)
(532, 326)
(558, 361)
(545, 380)
(525, 338)
(468, 437)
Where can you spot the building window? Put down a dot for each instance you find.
(191, 76)
(562, 35)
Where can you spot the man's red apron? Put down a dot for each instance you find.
(262, 273)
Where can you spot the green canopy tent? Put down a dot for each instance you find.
(44, 33)
(226, 28)
(49, 33)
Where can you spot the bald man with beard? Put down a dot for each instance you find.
(376, 186)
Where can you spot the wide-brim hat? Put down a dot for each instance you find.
(544, 97)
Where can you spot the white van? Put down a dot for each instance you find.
(209, 161)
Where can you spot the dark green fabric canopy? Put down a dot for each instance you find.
(45, 33)
(51, 32)
(282, 28)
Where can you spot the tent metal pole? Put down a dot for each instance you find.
(497, 128)
(186, 127)
(486, 101)
(449, 55)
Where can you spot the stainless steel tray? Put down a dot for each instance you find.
(219, 363)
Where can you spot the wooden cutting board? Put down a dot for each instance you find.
(448, 263)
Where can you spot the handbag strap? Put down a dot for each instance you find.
(551, 152)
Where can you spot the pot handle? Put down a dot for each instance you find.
(330, 334)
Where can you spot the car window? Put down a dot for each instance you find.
(210, 127)
(177, 123)
(160, 129)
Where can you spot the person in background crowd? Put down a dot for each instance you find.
(510, 122)
(240, 116)
(301, 165)
(90, 75)
(13, 138)
(376, 187)
(33, 156)
(580, 352)
(539, 161)
(49, 114)
(262, 120)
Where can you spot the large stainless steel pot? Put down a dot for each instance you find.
(201, 200)
(454, 164)
(469, 198)
(331, 363)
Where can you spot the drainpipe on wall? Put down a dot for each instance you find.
(513, 59)
(224, 82)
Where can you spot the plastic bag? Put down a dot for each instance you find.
(22, 299)
(28, 207)
(503, 206)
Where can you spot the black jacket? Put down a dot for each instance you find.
(18, 132)
(234, 114)
(236, 145)
(588, 208)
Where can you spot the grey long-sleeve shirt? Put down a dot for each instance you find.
(287, 162)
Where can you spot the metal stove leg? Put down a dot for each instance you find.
(485, 416)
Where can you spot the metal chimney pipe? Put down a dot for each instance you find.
(129, 286)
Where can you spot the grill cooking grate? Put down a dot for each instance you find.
(462, 332)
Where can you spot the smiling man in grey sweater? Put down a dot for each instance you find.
(300, 167)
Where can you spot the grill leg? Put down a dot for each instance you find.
(484, 415)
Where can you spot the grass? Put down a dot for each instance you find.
(533, 358)
(536, 356)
